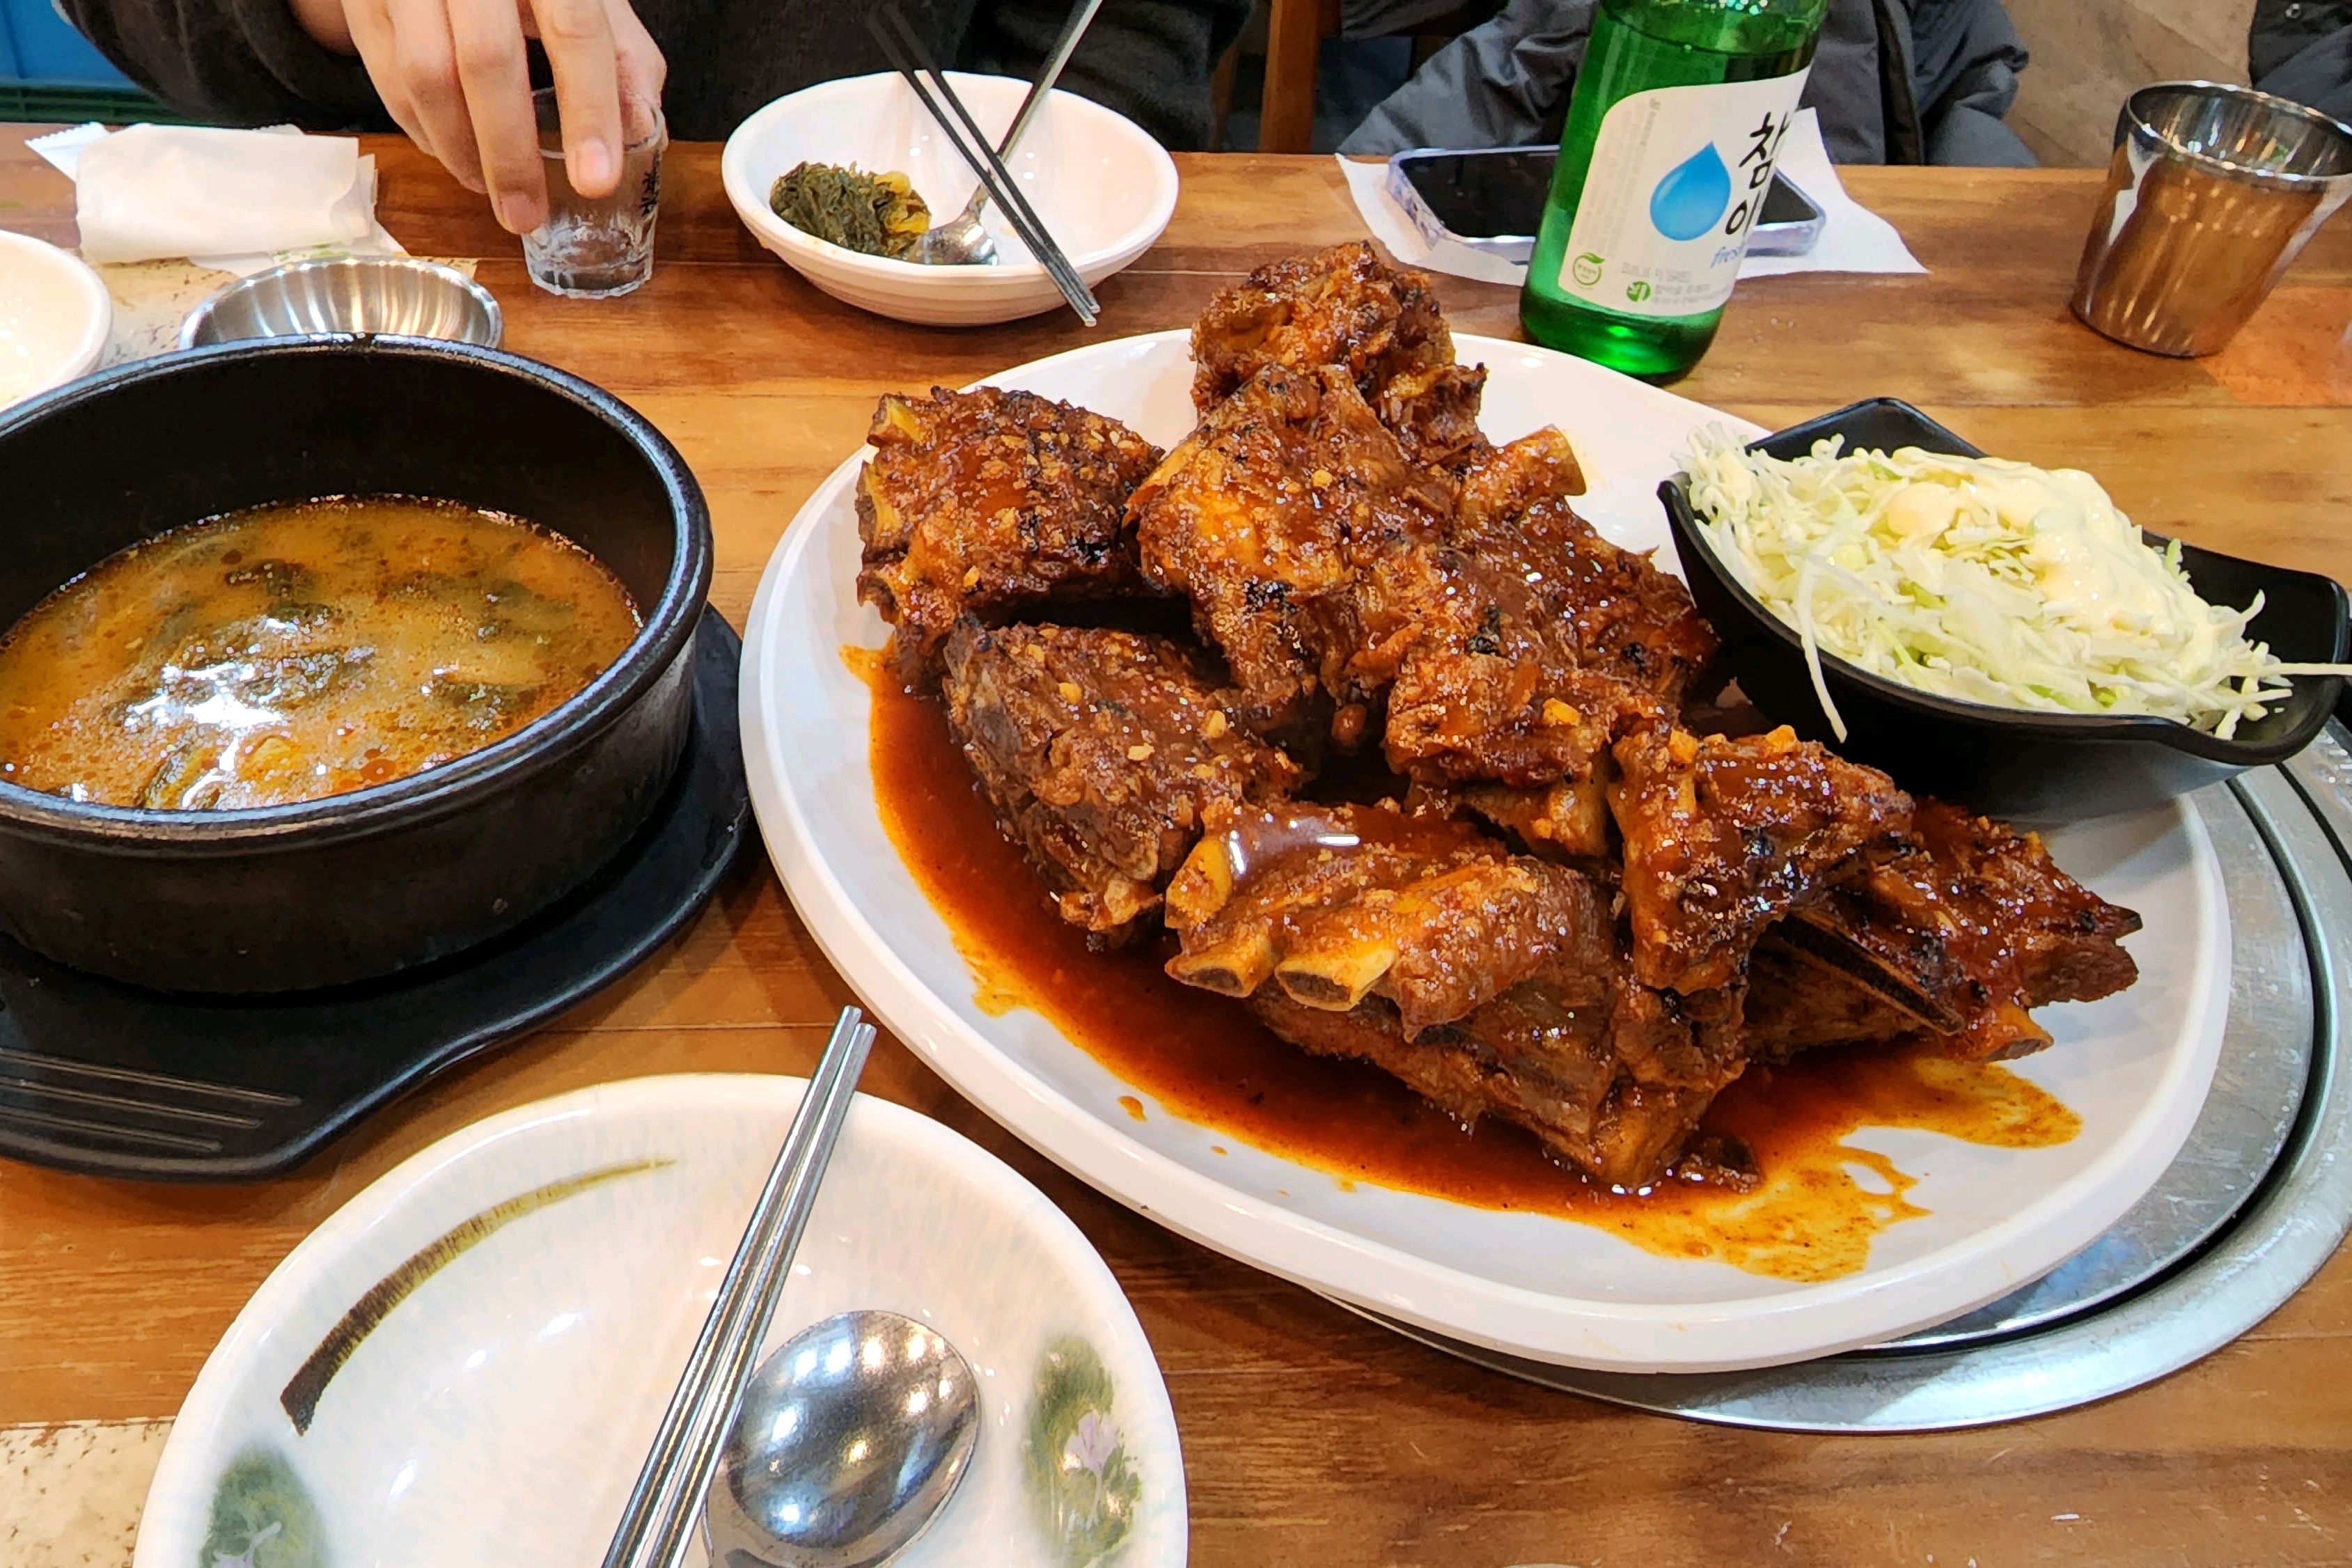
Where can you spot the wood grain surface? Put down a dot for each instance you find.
(1310, 1436)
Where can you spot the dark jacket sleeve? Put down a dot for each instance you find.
(1964, 65)
(1895, 81)
(237, 62)
(2302, 50)
(1507, 82)
(1502, 84)
(1152, 60)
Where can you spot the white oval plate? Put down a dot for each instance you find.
(497, 1413)
(2134, 1067)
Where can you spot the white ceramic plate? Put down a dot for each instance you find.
(55, 314)
(497, 1414)
(2135, 1067)
(1098, 182)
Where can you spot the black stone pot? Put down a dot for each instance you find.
(353, 886)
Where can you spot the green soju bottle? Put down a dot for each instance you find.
(1672, 134)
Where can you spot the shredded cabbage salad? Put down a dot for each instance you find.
(1980, 579)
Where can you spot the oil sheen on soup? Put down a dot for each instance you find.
(300, 650)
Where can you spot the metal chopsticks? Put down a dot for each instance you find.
(1081, 16)
(657, 1523)
(911, 60)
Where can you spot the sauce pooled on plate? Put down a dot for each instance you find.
(300, 650)
(1821, 1202)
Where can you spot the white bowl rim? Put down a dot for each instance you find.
(197, 1426)
(751, 207)
(98, 320)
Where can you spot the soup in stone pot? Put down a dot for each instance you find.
(298, 650)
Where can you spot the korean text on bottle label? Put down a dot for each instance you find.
(1678, 176)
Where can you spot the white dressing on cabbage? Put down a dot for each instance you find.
(1979, 578)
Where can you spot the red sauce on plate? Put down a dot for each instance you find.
(1204, 1059)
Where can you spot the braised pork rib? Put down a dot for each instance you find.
(1570, 911)
(1342, 306)
(1955, 940)
(990, 502)
(1262, 518)
(1105, 753)
(1337, 903)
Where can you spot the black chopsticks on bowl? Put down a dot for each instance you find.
(910, 59)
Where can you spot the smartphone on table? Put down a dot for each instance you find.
(1491, 199)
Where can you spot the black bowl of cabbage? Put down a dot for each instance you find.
(2004, 760)
(353, 886)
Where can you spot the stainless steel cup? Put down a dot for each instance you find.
(2212, 191)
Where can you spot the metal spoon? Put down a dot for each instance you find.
(851, 1440)
(961, 241)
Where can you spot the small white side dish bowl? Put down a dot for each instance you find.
(464, 1365)
(55, 315)
(1102, 187)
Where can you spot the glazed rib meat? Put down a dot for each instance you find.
(1483, 683)
(1433, 413)
(1520, 1059)
(991, 502)
(1337, 903)
(1565, 821)
(1491, 983)
(1340, 306)
(1955, 940)
(1617, 612)
(1610, 1059)
(1723, 836)
(1104, 753)
(1543, 644)
(1314, 553)
(1507, 480)
(1345, 307)
(1261, 516)
(1653, 909)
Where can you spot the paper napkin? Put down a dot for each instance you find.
(1853, 238)
(234, 200)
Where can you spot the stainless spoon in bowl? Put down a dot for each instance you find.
(962, 241)
(851, 1440)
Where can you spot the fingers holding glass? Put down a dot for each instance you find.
(640, 70)
(578, 37)
(495, 75)
(424, 66)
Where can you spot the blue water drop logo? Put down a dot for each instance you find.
(1692, 195)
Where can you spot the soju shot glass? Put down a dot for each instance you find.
(597, 248)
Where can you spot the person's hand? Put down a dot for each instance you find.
(454, 76)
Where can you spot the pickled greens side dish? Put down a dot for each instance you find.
(872, 214)
(1980, 579)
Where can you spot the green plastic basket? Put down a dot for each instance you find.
(72, 102)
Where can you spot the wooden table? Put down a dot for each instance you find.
(1311, 1437)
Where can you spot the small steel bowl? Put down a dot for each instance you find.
(396, 296)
